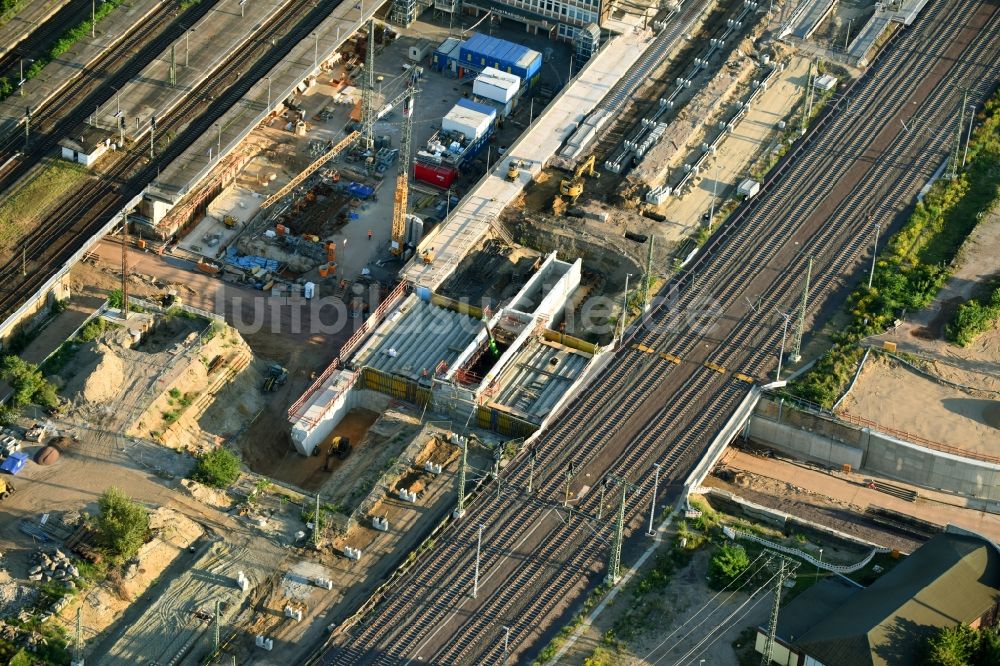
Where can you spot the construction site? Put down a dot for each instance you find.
(398, 274)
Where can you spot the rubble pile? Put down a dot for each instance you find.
(55, 566)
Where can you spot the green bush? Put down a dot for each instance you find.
(7, 414)
(962, 646)
(122, 524)
(727, 563)
(93, 330)
(27, 382)
(218, 468)
(972, 319)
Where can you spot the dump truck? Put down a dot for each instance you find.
(6, 488)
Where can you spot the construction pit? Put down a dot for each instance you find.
(728, 125)
(337, 226)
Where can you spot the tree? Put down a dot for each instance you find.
(952, 646)
(122, 523)
(218, 468)
(728, 562)
(27, 382)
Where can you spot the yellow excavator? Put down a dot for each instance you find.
(573, 187)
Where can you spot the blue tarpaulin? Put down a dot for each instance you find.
(249, 262)
(15, 462)
(359, 191)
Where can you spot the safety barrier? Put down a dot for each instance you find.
(294, 411)
(506, 424)
(570, 341)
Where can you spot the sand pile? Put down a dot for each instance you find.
(104, 382)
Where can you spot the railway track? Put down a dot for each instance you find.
(79, 218)
(93, 86)
(41, 39)
(423, 614)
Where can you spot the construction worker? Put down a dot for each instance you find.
(370, 234)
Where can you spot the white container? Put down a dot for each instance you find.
(496, 85)
(309, 289)
(469, 122)
(420, 50)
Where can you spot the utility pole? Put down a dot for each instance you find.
(953, 172)
(316, 520)
(805, 99)
(479, 549)
(27, 123)
(506, 643)
(24, 262)
(218, 622)
(315, 50)
(93, 18)
(173, 66)
(624, 308)
(652, 500)
(646, 286)
(871, 276)
(847, 39)
(218, 152)
(715, 185)
(785, 568)
(268, 93)
(124, 267)
(187, 48)
(604, 488)
(968, 137)
(796, 354)
(460, 491)
(615, 559)
(532, 454)
(152, 131)
(78, 646)
(781, 352)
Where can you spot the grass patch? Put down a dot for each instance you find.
(916, 262)
(68, 349)
(30, 202)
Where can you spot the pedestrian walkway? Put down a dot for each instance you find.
(25, 21)
(931, 506)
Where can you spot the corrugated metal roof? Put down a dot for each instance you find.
(448, 46)
(538, 377)
(418, 338)
(502, 80)
(487, 111)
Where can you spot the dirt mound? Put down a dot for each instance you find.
(47, 455)
(100, 380)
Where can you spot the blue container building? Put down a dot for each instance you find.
(481, 51)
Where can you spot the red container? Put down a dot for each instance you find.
(438, 176)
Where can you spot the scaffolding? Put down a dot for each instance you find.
(404, 12)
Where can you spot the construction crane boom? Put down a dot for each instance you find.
(401, 195)
(310, 170)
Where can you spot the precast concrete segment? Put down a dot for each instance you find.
(751, 350)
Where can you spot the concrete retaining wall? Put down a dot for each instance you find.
(823, 440)
(935, 469)
(806, 445)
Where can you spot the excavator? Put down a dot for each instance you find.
(570, 189)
